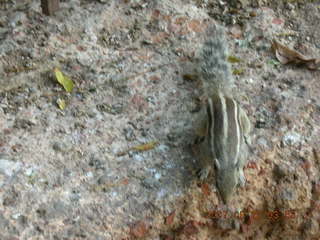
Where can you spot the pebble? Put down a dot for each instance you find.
(288, 194)
(157, 176)
(9, 167)
(263, 142)
(280, 171)
(61, 147)
(17, 19)
(138, 157)
(163, 148)
(291, 138)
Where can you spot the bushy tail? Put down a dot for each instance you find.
(214, 68)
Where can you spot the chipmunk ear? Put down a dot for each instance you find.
(216, 163)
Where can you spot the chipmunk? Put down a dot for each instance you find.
(227, 126)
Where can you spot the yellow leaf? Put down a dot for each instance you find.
(233, 59)
(145, 147)
(142, 147)
(65, 81)
(238, 71)
(61, 103)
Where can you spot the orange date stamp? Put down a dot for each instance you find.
(274, 215)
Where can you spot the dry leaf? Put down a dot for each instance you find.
(140, 148)
(286, 55)
(170, 218)
(239, 71)
(145, 147)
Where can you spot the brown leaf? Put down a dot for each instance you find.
(286, 55)
(170, 218)
(139, 229)
(190, 228)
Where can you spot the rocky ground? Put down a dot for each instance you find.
(118, 162)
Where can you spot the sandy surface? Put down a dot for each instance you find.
(118, 162)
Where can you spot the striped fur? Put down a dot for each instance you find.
(227, 127)
(224, 130)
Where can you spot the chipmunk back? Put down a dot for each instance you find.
(227, 125)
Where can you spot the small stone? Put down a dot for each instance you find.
(163, 148)
(16, 216)
(279, 171)
(96, 163)
(89, 175)
(291, 138)
(263, 142)
(61, 147)
(91, 113)
(288, 194)
(151, 183)
(11, 197)
(17, 19)
(290, 6)
(9, 167)
(129, 134)
(104, 179)
(29, 171)
(138, 157)
(157, 176)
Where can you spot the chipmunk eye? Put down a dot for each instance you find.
(215, 167)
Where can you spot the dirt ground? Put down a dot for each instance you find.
(118, 161)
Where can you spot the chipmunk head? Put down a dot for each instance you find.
(227, 180)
